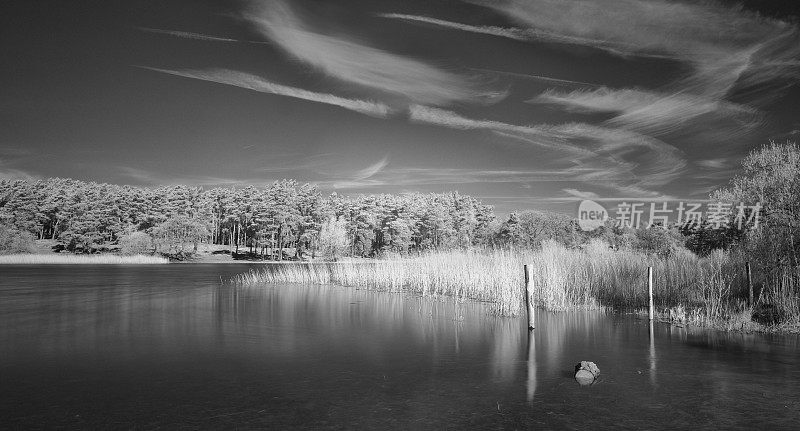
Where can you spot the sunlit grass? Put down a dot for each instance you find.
(76, 259)
(494, 277)
(562, 279)
(709, 291)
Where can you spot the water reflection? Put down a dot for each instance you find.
(115, 345)
(531, 387)
(652, 355)
(507, 339)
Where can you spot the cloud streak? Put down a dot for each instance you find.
(650, 111)
(365, 66)
(371, 170)
(255, 83)
(551, 136)
(510, 33)
(364, 178)
(519, 34)
(626, 160)
(549, 80)
(417, 176)
(195, 36)
(152, 178)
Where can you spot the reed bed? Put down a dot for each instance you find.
(710, 289)
(494, 277)
(78, 259)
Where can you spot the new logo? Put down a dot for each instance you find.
(591, 215)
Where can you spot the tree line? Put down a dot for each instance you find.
(88, 217)
(287, 219)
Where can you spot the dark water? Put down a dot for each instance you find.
(168, 347)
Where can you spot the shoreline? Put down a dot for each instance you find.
(45, 256)
(735, 324)
(80, 259)
(728, 326)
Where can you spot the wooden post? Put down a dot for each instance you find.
(528, 301)
(650, 288)
(749, 283)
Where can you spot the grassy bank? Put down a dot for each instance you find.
(75, 259)
(708, 291)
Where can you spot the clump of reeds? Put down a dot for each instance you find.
(76, 259)
(494, 277)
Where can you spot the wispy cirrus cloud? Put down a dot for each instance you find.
(371, 170)
(413, 177)
(729, 50)
(547, 79)
(624, 159)
(421, 176)
(717, 163)
(363, 65)
(551, 136)
(256, 83)
(364, 178)
(721, 43)
(581, 194)
(520, 34)
(620, 194)
(726, 46)
(650, 111)
(149, 177)
(510, 33)
(196, 36)
(418, 175)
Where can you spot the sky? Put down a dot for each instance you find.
(523, 104)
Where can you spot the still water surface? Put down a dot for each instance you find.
(169, 346)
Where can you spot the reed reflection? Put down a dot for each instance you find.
(296, 320)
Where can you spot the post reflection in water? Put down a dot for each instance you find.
(652, 355)
(531, 365)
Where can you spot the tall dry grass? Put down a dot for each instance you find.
(562, 279)
(710, 289)
(77, 259)
(496, 277)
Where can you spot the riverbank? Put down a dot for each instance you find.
(43, 252)
(739, 322)
(80, 259)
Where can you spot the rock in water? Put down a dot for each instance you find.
(586, 373)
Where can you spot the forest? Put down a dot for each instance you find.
(90, 217)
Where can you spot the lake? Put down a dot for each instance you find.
(175, 346)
